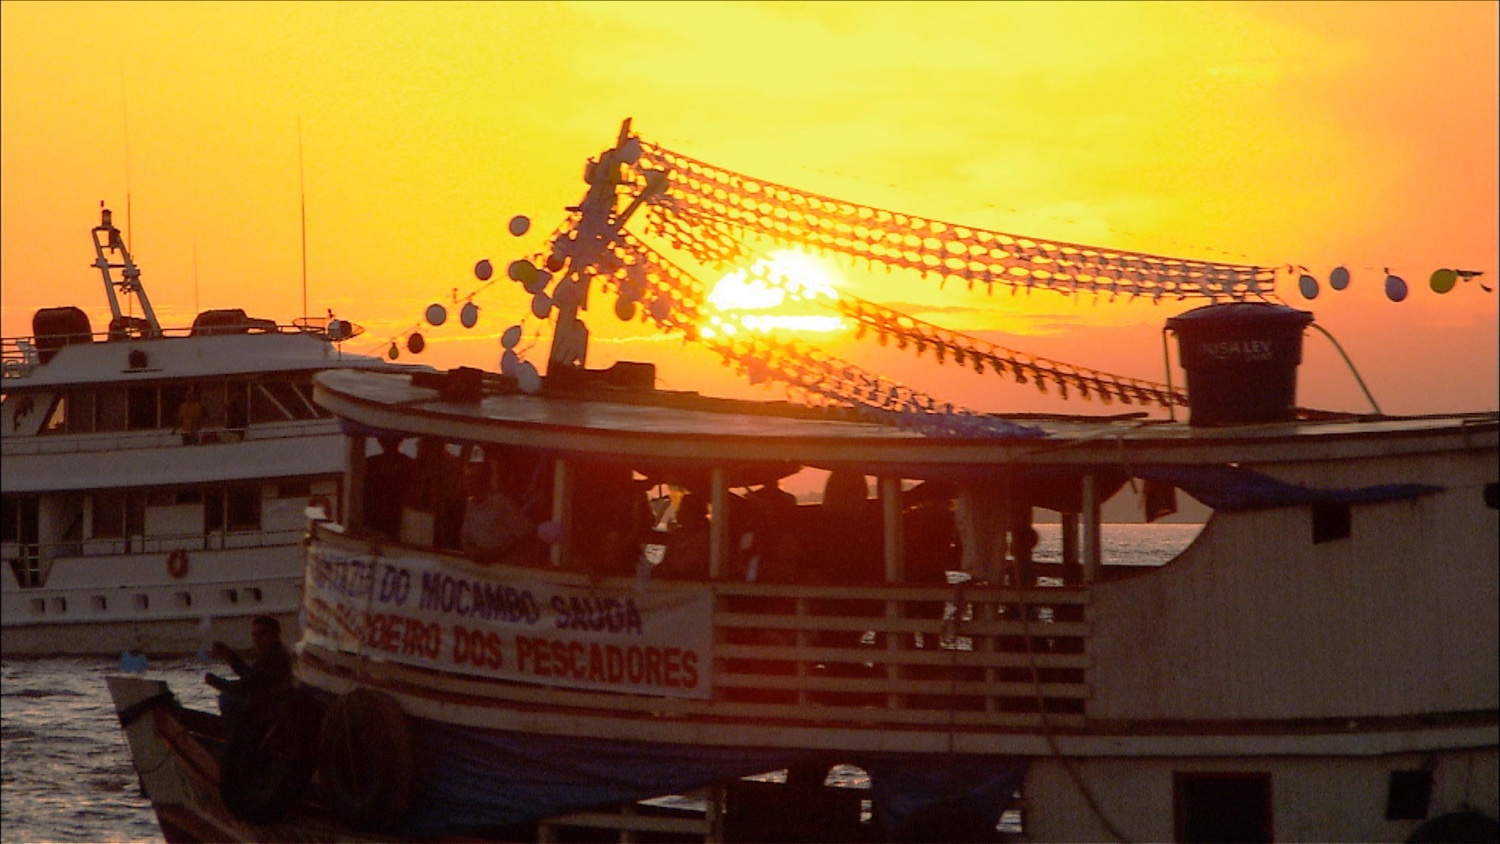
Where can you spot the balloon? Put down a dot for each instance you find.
(1443, 280)
(394, 352)
(661, 309)
(436, 314)
(536, 282)
(509, 363)
(630, 151)
(511, 337)
(1395, 288)
(1339, 278)
(519, 225)
(549, 532)
(555, 262)
(541, 305)
(625, 309)
(521, 270)
(1309, 286)
(483, 270)
(415, 343)
(469, 315)
(528, 378)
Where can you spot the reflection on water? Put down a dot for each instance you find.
(65, 771)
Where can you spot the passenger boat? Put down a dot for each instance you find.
(1320, 663)
(124, 532)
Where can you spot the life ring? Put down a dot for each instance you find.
(365, 760)
(177, 564)
(268, 756)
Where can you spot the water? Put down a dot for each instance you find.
(65, 770)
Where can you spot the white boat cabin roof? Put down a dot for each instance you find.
(647, 424)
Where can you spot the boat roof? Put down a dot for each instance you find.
(652, 425)
(186, 357)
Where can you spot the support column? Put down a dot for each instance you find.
(718, 527)
(1092, 547)
(562, 511)
(352, 505)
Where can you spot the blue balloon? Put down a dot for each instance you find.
(1395, 288)
(1339, 279)
(1309, 286)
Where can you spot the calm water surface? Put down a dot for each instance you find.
(65, 771)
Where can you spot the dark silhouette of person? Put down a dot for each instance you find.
(189, 417)
(269, 670)
(386, 477)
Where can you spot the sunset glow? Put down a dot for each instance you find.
(1312, 135)
(781, 292)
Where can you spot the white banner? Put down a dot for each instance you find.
(416, 611)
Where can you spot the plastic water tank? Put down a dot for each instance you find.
(1241, 361)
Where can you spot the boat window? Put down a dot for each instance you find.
(266, 406)
(80, 411)
(135, 515)
(1222, 806)
(18, 519)
(244, 507)
(143, 413)
(305, 389)
(172, 397)
(57, 418)
(213, 509)
(1409, 796)
(112, 410)
(108, 515)
(287, 395)
(294, 489)
(1330, 522)
(211, 395)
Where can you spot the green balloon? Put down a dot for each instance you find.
(1443, 280)
(522, 271)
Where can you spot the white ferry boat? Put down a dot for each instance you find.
(122, 531)
(1319, 664)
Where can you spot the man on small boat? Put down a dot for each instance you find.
(269, 671)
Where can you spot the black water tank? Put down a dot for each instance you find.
(1241, 360)
(54, 328)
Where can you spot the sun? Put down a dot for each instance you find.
(786, 291)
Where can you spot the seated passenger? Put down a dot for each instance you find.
(386, 477)
(493, 526)
(689, 544)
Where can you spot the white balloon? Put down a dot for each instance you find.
(511, 337)
(529, 379)
(541, 305)
(509, 363)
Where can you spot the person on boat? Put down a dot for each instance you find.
(236, 419)
(493, 525)
(386, 477)
(688, 545)
(269, 671)
(773, 549)
(424, 495)
(189, 417)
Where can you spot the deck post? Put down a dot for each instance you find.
(1092, 550)
(718, 527)
(562, 510)
(352, 507)
(890, 501)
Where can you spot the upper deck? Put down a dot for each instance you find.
(656, 425)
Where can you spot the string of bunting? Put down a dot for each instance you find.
(675, 301)
(709, 202)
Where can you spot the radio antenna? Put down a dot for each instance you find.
(302, 191)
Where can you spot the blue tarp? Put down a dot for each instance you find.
(471, 779)
(1231, 488)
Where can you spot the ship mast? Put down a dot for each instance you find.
(107, 237)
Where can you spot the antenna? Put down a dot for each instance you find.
(125, 122)
(196, 309)
(302, 191)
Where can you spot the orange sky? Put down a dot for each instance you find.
(1277, 133)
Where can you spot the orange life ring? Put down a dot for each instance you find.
(177, 563)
